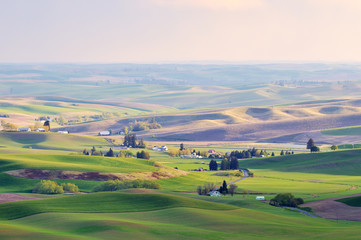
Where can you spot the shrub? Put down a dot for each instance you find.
(286, 199)
(48, 187)
(116, 185)
(70, 187)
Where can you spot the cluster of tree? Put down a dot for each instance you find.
(125, 154)
(116, 185)
(110, 153)
(282, 153)
(51, 187)
(61, 120)
(8, 126)
(3, 115)
(223, 189)
(178, 152)
(130, 140)
(311, 145)
(286, 199)
(334, 147)
(205, 189)
(143, 125)
(232, 164)
(248, 153)
(143, 154)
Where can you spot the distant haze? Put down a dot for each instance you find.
(152, 31)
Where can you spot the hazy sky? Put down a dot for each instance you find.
(179, 30)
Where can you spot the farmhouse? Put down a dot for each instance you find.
(261, 198)
(24, 129)
(104, 133)
(211, 151)
(214, 193)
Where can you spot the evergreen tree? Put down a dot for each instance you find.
(224, 189)
(93, 150)
(310, 143)
(225, 164)
(110, 153)
(213, 166)
(282, 153)
(181, 147)
(234, 163)
(273, 154)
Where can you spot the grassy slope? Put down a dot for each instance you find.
(34, 142)
(343, 131)
(115, 202)
(334, 173)
(159, 216)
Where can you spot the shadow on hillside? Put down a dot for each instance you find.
(25, 137)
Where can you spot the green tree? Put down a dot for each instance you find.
(48, 187)
(315, 149)
(225, 164)
(282, 153)
(181, 147)
(286, 199)
(93, 150)
(310, 143)
(273, 154)
(232, 189)
(223, 189)
(334, 147)
(234, 163)
(213, 166)
(110, 153)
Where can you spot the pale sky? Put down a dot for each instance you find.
(153, 31)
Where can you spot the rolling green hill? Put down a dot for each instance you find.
(37, 142)
(158, 216)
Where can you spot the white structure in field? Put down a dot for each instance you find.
(24, 129)
(261, 198)
(104, 133)
(214, 194)
(40, 130)
(63, 132)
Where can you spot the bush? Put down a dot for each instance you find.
(70, 187)
(286, 199)
(116, 185)
(48, 187)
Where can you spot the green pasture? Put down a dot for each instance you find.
(75, 162)
(353, 201)
(48, 143)
(355, 130)
(161, 216)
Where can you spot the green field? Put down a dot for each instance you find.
(353, 201)
(356, 130)
(175, 211)
(48, 143)
(159, 216)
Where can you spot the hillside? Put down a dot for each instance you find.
(157, 216)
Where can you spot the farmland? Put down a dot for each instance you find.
(213, 114)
